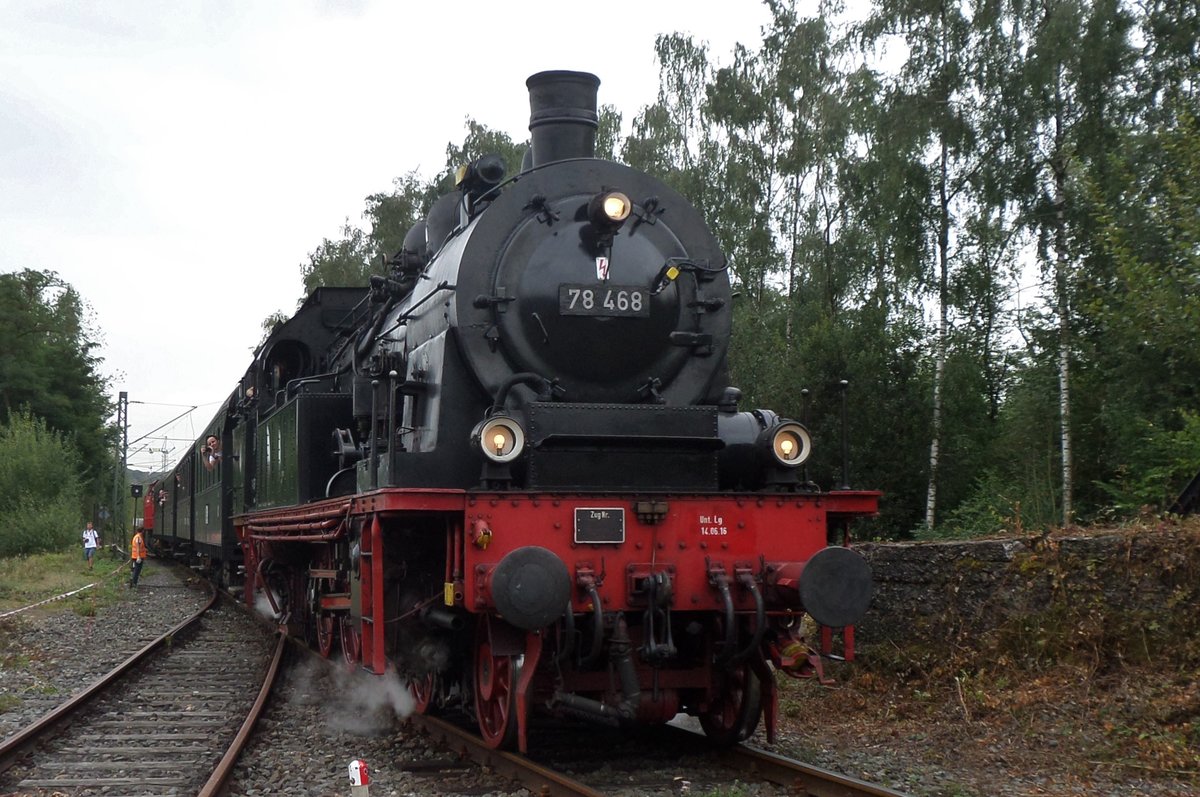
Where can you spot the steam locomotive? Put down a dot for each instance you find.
(512, 469)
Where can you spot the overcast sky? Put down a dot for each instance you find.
(175, 162)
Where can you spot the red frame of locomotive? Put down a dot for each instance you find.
(696, 536)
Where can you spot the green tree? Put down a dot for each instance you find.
(1077, 66)
(357, 255)
(393, 214)
(1149, 313)
(937, 96)
(786, 153)
(271, 323)
(49, 365)
(608, 133)
(343, 262)
(1169, 75)
(40, 487)
(669, 138)
(1154, 237)
(884, 191)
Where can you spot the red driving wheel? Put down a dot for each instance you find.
(495, 693)
(422, 688)
(734, 712)
(325, 634)
(351, 640)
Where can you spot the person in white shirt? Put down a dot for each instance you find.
(211, 452)
(91, 541)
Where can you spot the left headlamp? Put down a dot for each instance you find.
(500, 438)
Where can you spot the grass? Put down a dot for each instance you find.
(1096, 649)
(735, 790)
(29, 579)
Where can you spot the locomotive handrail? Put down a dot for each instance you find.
(691, 441)
(522, 378)
(369, 336)
(407, 315)
(296, 537)
(291, 516)
(255, 529)
(299, 382)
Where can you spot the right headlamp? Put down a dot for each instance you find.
(790, 443)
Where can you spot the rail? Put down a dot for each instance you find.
(537, 778)
(16, 749)
(16, 745)
(804, 778)
(224, 768)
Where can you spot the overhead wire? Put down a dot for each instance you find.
(163, 425)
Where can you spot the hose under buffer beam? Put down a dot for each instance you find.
(719, 580)
(747, 581)
(620, 653)
(597, 646)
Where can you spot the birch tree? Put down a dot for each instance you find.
(935, 80)
(1076, 61)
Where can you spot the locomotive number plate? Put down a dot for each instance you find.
(602, 299)
(599, 524)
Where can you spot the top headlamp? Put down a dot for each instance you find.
(609, 209)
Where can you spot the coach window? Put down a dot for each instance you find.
(210, 455)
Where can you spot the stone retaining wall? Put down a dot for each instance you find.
(959, 592)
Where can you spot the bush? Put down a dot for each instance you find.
(989, 509)
(40, 488)
(1161, 463)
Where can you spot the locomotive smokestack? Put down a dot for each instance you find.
(562, 115)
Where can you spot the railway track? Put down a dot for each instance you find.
(166, 721)
(443, 754)
(169, 720)
(649, 763)
(159, 727)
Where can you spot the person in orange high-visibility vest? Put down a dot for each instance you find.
(137, 553)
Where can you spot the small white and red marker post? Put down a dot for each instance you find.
(360, 779)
